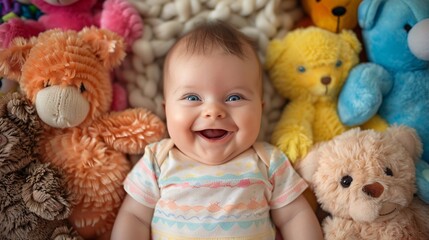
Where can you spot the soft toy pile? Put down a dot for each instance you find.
(366, 181)
(395, 83)
(116, 15)
(65, 74)
(34, 202)
(309, 67)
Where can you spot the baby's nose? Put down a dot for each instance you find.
(214, 111)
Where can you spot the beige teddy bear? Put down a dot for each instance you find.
(366, 181)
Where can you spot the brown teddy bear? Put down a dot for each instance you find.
(366, 181)
(34, 201)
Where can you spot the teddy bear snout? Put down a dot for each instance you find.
(326, 80)
(373, 190)
(339, 11)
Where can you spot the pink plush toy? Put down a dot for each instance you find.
(118, 16)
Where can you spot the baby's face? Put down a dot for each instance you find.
(213, 104)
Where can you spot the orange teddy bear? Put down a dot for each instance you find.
(332, 15)
(65, 74)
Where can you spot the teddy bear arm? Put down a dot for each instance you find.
(122, 18)
(362, 93)
(131, 130)
(293, 133)
(17, 27)
(65, 232)
(44, 192)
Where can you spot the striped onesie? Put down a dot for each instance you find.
(229, 201)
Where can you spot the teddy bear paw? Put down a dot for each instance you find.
(45, 193)
(65, 233)
(122, 18)
(422, 180)
(295, 147)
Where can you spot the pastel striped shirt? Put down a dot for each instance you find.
(229, 201)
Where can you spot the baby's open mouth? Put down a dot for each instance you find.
(213, 134)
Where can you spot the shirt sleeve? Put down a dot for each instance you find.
(141, 183)
(286, 182)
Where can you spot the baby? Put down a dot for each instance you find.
(211, 179)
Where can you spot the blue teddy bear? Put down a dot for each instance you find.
(395, 83)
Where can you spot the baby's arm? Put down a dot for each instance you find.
(297, 221)
(133, 221)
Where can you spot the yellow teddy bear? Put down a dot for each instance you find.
(308, 67)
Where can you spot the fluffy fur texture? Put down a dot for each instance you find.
(116, 15)
(395, 84)
(34, 200)
(66, 75)
(309, 67)
(366, 181)
(332, 15)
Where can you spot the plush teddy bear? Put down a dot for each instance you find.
(34, 200)
(116, 15)
(395, 83)
(332, 15)
(308, 67)
(366, 180)
(65, 74)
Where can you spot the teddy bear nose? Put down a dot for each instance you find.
(326, 80)
(339, 11)
(373, 190)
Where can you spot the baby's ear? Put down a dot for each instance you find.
(408, 138)
(309, 164)
(108, 46)
(367, 13)
(13, 58)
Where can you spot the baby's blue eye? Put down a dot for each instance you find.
(301, 69)
(192, 98)
(339, 63)
(233, 98)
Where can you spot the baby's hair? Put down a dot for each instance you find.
(207, 36)
(211, 35)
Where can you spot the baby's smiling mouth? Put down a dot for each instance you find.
(213, 134)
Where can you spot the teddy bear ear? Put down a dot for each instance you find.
(307, 166)
(108, 46)
(13, 58)
(351, 38)
(275, 50)
(408, 138)
(367, 12)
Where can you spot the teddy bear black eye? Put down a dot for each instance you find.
(82, 88)
(346, 181)
(339, 63)
(407, 27)
(301, 69)
(388, 171)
